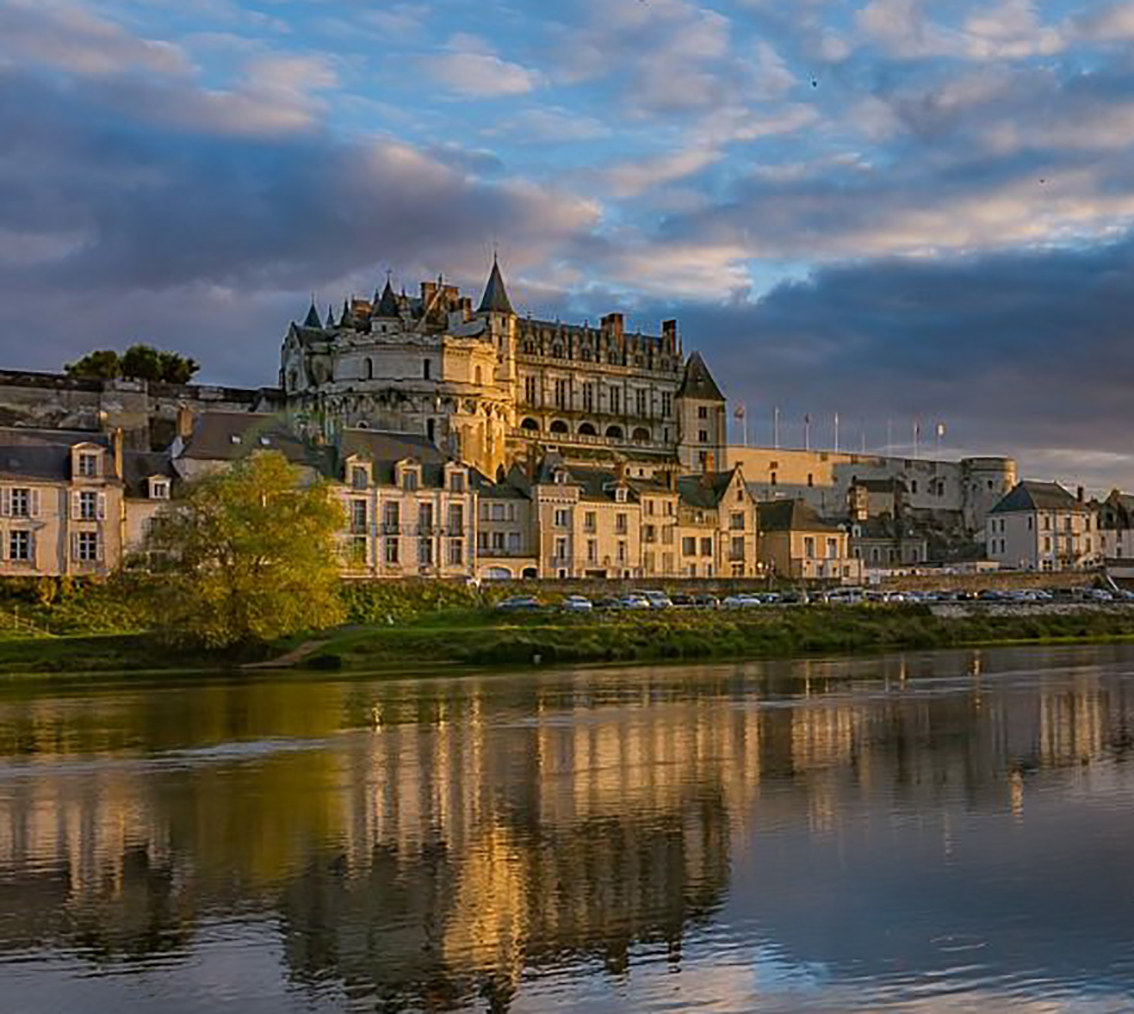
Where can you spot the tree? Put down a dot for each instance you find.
(247, 555)
(102, 364)
(138, 362)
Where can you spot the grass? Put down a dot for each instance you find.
(466, 636)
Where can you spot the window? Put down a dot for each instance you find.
(592, 550)
(513, 542)
(615, 401)
(88, 465)
(425, 552)
(1046, 523)
(530, 390)
(391, 551)
(497, 512)
(159, 489)
(457, 482)
(425, 367)
(425, 518)
(88, 505)
(736, 521)
(650, 508)
(562, 518)
(409, 479)
(702, 412)
(809, 547)
(621, 552)
(358, 477)
(1047, 544)
(86, 544)
(620, 523)
(707, 546)
(590, 521)
(456, 552)
(391, 517)
(773, 481)
(737, 550)
(740, 494)
(667, 535)
(1067, 524)
(649, 534)
(640, 401)
(666, 405)
(688, 546)
(561, 548)
(1031, 523)
(456, 518)
(20, 547)
(358, 517)
(703, 436)
(478, 377)
(19, 503)
(497, 541)
(810, 479)
(561, 395)
(832, 549)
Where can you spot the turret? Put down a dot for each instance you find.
(702, 417)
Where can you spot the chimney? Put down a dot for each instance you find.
(428, 289)
(184, 422)
(612, 323)
(669, 334)
(621, 472)
(1080, 494)
(117, 439)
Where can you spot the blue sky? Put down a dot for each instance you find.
(893, 209)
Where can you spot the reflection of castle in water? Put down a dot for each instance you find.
(483, 829)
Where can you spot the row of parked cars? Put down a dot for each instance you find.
(839, 596)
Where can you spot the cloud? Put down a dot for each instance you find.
(468, 68)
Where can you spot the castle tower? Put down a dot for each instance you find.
(702, 419)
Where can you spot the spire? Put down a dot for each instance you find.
(387, 303)
(495, 297)
(312, 319)
(347, 319)
(698, 382)
(330, 316)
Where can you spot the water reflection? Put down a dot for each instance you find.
(811, 835)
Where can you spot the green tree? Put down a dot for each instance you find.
(141, 362)
(247, 555)
(177, 369)
(103, 364)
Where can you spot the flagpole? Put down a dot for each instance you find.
(807, 432)
(916, 434)
(889, 438)
(776, 427)
(836, 432)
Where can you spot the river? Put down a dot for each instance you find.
(933, 832)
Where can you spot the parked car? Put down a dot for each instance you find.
(634, 601)
(658, 599)
(519, 604)
(712, 602)
(1099, 595)
(577, 604)
(683, 601)
(608, 603)
(741, 602)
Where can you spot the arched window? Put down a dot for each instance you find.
(587, 430)
(641, 435)
(559, 426)
(530, 424)
(614, 432)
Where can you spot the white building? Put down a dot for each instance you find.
(1041, 526)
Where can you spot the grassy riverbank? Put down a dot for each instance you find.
(484, 638)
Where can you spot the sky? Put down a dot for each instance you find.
(894, 210)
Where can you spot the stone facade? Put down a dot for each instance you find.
(1041, 526)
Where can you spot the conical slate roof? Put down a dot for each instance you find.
(388, 303)
(495, 296)
(312, 319)
(698, 382)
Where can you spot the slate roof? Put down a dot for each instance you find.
(50, 462)
(791, 516)
(139, 466)
(698, 382)
(495, 298)
(386, 445)
(387, 303)
(230, 436)
(312, 320)
(1029, 495)
(704, 490)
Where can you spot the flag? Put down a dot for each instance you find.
(739, 411)
(940, 430)
(807, 419)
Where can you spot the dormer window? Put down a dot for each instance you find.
(234, 438)
(410, 479)
(560, 477)
(457, 482)
(359, 476)
(159, 488)
(620, 495)
(88, 464)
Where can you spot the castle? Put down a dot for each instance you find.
(489, 386)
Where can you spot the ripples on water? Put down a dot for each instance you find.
(934, 833)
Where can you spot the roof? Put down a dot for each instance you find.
(1029, 495)
(312, 318)
(387, 303)
(140, 466)
(698, 382)
(495, 298)
(791, 516)
(50, 462)
(704, 490)
(229, 436)
(389, 446)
